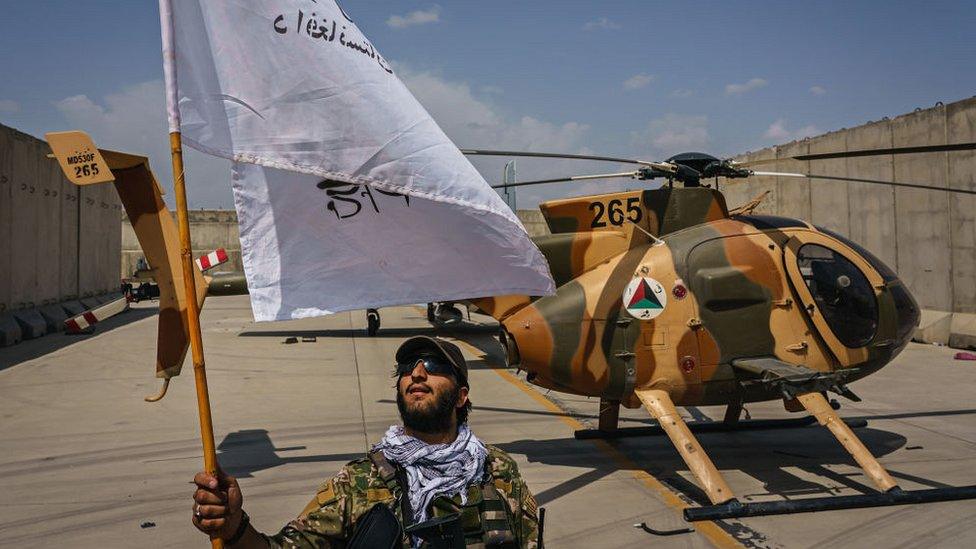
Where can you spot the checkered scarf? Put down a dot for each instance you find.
(435, 469)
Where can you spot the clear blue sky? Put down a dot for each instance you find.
(635, 78)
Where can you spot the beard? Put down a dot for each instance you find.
(435, 418)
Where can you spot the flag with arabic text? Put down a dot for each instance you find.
(348, 193)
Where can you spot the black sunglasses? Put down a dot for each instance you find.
(432, 364)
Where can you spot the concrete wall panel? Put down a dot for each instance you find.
(25, 217)
(111, 231)
(6, 254)
(69, 239)
(740, 191)
(872, 206)
(922, 225)
(105, 230)
(47, 243)
(793, 198)
(961, 125)
(829, 200)
(88, 249)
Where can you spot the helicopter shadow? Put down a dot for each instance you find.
(245, 452)
(459, 329)
(799, 462)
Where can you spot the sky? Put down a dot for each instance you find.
(637, 79)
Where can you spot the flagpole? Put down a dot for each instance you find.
(193, 314)
(186, 248)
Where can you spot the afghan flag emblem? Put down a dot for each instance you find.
(645, 298)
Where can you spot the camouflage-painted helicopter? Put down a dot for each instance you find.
(667, 298)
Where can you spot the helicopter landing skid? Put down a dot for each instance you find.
(894, 496)
(709, 427)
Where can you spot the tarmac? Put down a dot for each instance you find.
(86, 463)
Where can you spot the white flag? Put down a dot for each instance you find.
(294, 87)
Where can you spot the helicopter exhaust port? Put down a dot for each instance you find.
(512, 357)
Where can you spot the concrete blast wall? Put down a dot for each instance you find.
(209, 230)
(58, 242)
(927, 236)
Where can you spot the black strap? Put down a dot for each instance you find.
(241, 528)
(395, 479)
(377, 528)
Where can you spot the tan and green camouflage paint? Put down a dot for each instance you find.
(744, 299)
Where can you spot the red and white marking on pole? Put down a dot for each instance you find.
(93, 316)
(212, 259)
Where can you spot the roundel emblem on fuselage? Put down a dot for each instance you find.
(645, 298)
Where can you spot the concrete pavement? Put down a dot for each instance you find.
(87, 463)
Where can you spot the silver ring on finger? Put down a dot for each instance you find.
(196, 512)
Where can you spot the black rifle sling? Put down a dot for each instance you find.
(396, 482)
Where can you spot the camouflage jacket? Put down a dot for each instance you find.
(329, 520)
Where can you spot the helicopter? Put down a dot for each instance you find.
(666, 297)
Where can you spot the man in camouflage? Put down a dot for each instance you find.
(429, 468)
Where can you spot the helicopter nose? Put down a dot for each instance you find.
(906, 311)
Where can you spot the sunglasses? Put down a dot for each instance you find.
(432, 364)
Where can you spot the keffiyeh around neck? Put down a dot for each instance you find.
(435, 469)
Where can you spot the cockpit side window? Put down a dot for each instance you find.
(842, 293)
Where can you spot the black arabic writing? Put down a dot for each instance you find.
(345, 193)
(320, 28)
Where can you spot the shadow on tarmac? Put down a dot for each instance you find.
(809, 449)
(248, 451)
(30, 349)
(463, 328)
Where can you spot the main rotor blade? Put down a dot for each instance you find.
(859, 180)
(562, 179)
(867, 152)
(663, 166)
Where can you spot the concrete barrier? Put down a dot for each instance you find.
(54, 316)
(962, 331)
(933, 327)
(32, 324)
(73, 307)
(10, 333)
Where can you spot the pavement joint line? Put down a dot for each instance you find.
(359, 385)
(713, 532)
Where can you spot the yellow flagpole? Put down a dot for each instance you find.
(193, 314)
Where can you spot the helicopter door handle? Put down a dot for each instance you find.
(624, 322)
(800, 347)
(785, 303)
(624, 355)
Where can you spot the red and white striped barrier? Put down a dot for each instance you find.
(212, 259)
(93, 316)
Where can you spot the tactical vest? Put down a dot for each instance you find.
(486, 518)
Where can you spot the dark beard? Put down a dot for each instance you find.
(436, 419)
